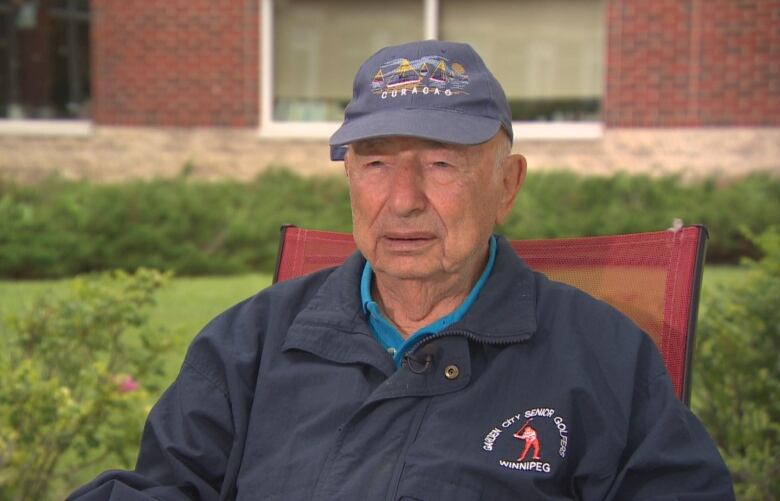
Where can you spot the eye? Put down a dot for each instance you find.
(442, 165)
(375, 163)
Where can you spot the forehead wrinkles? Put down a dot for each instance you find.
(391, 145)
(496, 149)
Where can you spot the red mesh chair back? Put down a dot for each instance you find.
(653, 278)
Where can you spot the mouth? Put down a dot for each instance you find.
(407, 241)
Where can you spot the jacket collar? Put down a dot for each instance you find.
(333, 325)
(505, 311)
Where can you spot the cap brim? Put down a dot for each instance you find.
(436, 125)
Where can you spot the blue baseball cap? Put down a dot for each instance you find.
(431, 90)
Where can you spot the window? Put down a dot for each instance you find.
(547, 54)
(318, 47)
(44, 59)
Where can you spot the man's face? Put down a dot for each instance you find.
(425, 210)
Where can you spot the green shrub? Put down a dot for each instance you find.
(563, 204)
(737, 384)
(77, 371)
(61, 228)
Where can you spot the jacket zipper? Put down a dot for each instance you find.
(466, 334)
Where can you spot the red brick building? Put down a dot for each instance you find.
(693, 63)
(235, 85)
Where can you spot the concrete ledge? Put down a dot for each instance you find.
(688, 152)
(108, 154)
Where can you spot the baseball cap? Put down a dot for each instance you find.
(431, 89)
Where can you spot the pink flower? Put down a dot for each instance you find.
(128, 384)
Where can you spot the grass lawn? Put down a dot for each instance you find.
(187, 304)
(183, 307)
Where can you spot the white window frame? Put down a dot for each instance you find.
(274, 129)
(64, 127)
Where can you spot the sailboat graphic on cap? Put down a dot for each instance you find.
(405, 74)
(379, 78)
(440, 73)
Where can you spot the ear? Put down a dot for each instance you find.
(513, 176)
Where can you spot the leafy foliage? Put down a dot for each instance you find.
(77, 371)
(737, 393)
(62, 228)
(564, 204)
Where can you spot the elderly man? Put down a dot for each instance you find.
(430, 363)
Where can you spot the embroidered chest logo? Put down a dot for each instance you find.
(529, 440)
(428, 75)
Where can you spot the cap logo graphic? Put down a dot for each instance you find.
(534, 433)
(428, 75)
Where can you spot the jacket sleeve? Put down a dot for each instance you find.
(185, 447)
(668, 455)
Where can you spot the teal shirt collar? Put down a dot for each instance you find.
(386, 333)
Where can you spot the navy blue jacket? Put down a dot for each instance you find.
(539, 392)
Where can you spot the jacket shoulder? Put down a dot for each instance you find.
(235, 339)
(596, 328)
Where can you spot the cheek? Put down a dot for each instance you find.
(473, 214)
(476, 203)
(366, 203)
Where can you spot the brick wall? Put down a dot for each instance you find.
(175, 62)
(693, 63)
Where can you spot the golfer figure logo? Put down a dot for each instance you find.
(527, 433)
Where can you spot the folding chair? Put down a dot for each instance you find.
(653, 278)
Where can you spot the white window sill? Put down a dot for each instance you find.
(558, 131)
(523, 131)
(55, 128)
(298, 130)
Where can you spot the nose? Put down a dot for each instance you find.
(407, 190)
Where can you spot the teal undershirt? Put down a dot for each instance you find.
(386, 333)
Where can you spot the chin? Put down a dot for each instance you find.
(404, 269)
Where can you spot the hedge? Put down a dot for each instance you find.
(61, 228)
(736, 384)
